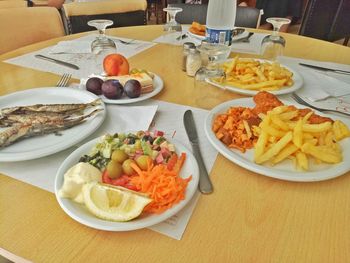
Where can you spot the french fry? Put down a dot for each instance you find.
(302, 161)
(279, 123)
(284, 138)
(317, 128)
(260, 145)
(271, 130)
(325, 154)
(298, 134)
(340, 130)
(276, 148)
(251, 74)
(285, 153)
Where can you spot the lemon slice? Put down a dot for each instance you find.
(113, 203)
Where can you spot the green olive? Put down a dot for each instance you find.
(114, 169)
(127, 168)
(119, 156)
(142, 161)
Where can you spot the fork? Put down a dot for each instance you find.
(125, 42)
(303, 102)
(63, 82)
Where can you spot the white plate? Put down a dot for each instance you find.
(244, 34)
(40, 146)
(285, 170)
(297, 78)
(82, 215)
(157, 84)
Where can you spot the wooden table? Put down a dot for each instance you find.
(249, 217)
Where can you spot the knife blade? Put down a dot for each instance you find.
(325, 69)
(205, 185)
(181, 37)
(60, 62)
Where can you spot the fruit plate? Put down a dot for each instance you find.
(80, 213)
(284, 170)
(297, 78)
(157, 84)
(44, 145)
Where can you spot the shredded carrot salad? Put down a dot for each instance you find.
(163, 184)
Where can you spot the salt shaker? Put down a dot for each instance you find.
(186, 50)
(193, 62)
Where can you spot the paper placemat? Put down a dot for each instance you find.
(69, 52)
(139, 116)
(322, 89)
(253, 47)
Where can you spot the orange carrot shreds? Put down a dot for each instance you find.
(172, 161)
(164, 186)
(180, 162)
(233, 128)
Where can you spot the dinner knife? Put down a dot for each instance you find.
(205, 185)
(325, 69)
(181, 37)
(60, 62)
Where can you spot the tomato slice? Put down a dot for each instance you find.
(123, 181)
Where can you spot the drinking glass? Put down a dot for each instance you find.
(172, 28)
(102, 45)
(273, 45)
(206, 94)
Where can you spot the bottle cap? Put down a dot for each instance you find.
(187, 45)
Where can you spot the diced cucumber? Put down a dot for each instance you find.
(159, 140)
(147, 150)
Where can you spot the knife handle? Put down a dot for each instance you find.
(205, 185)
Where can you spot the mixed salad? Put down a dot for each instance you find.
(143, 161)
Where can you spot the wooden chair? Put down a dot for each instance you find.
(28, 25)
(245, 16)
(121, 12)
(12, 4)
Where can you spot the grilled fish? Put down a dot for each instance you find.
(23, 130)
(49, 108)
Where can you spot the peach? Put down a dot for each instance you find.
(116, 65)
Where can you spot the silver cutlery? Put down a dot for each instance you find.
(181, 37)
(238, 31)
(244, 39)
(303, 102)
(125, 42)
(63, 81)
(60, 62)
(205, 185)
(325, 69)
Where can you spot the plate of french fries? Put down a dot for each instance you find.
(313, 147)
(249, 76)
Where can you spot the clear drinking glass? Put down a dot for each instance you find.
(102, 45)
(172, 28)
(207, 95)
(273, 45)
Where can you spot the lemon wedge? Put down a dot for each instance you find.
(113, 203)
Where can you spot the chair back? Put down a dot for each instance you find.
(341, 24)
(245, 16)
(13, 4)
(24, 26)
(121, 12)
(191, 13)
(320, 18)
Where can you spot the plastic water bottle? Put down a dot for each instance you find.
(221, 16)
